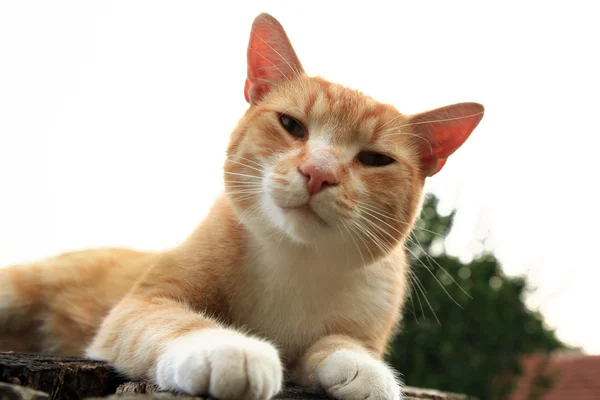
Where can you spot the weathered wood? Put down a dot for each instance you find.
(15, 392)
(144, 390)
(412, 393)
(69, 378)
(291, 392)
(64, 378)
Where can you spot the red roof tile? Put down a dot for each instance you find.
(573, 376)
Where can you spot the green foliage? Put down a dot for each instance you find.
(472, 347)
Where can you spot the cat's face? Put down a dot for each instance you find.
(316, 161)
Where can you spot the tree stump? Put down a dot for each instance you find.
(69, 378)
(14, 392)
(291, 392)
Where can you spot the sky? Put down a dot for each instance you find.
(114, 117)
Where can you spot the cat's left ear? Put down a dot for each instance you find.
(442, 131)
(271, 58)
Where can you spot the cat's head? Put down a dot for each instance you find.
(318, 162)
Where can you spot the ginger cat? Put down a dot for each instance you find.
(300, 265)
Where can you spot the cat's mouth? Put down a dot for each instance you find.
(304, 210)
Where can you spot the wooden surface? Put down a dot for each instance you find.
(15, 392)
(67, 378)
(62, 378)
(292, 392)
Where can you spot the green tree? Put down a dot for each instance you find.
(465, 325)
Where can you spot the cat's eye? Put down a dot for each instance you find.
(294, 127)
(374, 159)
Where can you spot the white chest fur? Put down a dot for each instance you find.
(293, 299)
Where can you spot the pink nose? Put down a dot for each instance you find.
(318, 178)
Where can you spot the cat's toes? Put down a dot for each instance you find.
(349, 375)
(222, 363)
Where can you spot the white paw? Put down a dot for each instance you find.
(349, 375)
(222, 363)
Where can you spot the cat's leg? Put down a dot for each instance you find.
(181, 350)
(55, 305)
(345, 369)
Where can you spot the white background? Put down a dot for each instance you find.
(114, 117)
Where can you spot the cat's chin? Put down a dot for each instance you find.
(301, 224)
(303, 213)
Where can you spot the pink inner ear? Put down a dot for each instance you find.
(271, 57)
(445, 130)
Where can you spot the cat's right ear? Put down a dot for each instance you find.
(271, 58)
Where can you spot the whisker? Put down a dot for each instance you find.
(383, 222)
(246, 165)
(376, 240)
(418, 259)
(245, 175)
(386, 215)
(245, 159)
(357, 225)
(383, 247)
(390, 121)
(388, 247)
(345, 245)
(427, 301)
(364, 266)
(411, 278)
(386, 135)
(244, 197)
(242, 182)
(254, 191)
(436, 279)
(355, 243)
(428, 257)
(244, 189)
(250, 185)
(441, 120)
(433, 121)
(411, 301)
(247, 212)
(238, 186)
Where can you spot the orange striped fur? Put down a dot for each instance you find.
(274, 278)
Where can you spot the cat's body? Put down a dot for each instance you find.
(305, 251)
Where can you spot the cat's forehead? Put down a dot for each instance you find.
(346, 113)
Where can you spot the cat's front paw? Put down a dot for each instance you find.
(349, 375)
(222, 363)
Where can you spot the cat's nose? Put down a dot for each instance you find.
(318, 177)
